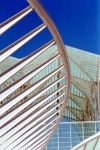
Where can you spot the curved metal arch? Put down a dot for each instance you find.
(85, 93)
(92, 82)
(44, 16)
(22, 115)
(92, 85)
(87, 119)
(81, 69)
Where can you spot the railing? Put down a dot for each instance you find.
(31, 110)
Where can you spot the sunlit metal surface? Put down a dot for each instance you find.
(33, 93)
(92, 143)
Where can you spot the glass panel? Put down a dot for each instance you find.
(82, 148)
(91, 144)
(69, 134)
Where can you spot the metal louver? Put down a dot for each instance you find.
(32, 99)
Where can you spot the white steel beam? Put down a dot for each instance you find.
(10, 22)
(16, 45)
(22, 80)
(10, 131)
(20, 118)
(39, 142)
(28, 121)
(30, 139)
(39, 131)
(23, 94)
(10, 115)
(10, 72)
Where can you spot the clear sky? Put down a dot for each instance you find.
(78, 22)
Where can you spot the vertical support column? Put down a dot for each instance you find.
(58, 138)
(83, 130)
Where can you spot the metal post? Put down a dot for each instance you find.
(70, 136)
(83, 130)
(58, 138)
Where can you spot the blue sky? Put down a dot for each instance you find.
(78, 22)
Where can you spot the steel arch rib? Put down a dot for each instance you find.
(90, 100)
(27, 120)
(44, 16)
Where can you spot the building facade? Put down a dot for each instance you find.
(70, 134)
(34, 91)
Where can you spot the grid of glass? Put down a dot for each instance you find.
(69, 134)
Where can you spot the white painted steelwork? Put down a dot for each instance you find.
(10, 22)
(84, 99)
(92, 143)
(32, 97)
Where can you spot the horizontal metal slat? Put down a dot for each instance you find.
(15, 121)
(33, 129)
(13, 113)
(10, 22)
(39, 142)
(17, 146)
(22, 124)
(27, 140)
(27, 91)
(16, 45)
(15, 68)
(7, 91)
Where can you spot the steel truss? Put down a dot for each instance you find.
(32, 100)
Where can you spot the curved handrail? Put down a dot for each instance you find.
(48, 21)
